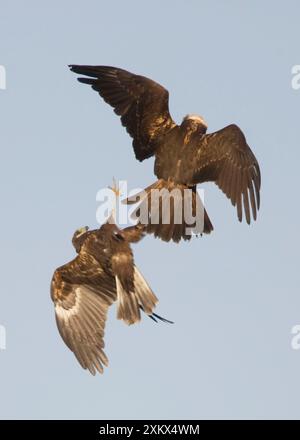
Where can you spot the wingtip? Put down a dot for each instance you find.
(74, 68)
(167, 321)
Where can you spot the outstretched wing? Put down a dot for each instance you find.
(81, 310)
(142, 104)
(225, 158)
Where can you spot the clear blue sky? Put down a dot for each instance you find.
(234, 295)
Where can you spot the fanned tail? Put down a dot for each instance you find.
(130, 303)
(163, 208)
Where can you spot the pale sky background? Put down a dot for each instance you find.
(234, 295)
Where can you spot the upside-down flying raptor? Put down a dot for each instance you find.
(83, 289)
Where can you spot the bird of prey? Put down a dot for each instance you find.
(185, 155)
(83, 289)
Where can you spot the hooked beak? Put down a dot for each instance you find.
(83, 230)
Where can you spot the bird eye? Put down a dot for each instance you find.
(118, 236)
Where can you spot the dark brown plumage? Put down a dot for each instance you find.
(184, 154)
(82, 290)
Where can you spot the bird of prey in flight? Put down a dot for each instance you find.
(185, 155)
(83, 289)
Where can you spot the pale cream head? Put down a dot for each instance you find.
(79, 232)
(196, 118)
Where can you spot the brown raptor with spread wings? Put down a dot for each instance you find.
(185, 154)
(83, 289)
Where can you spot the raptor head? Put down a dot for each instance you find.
(79, 237)
(194, 123)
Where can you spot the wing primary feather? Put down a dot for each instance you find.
(252, 197)
(239, 195)
(233, 184)
(245, 196)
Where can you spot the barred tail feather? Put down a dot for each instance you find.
(145, 297)
(129, 304)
